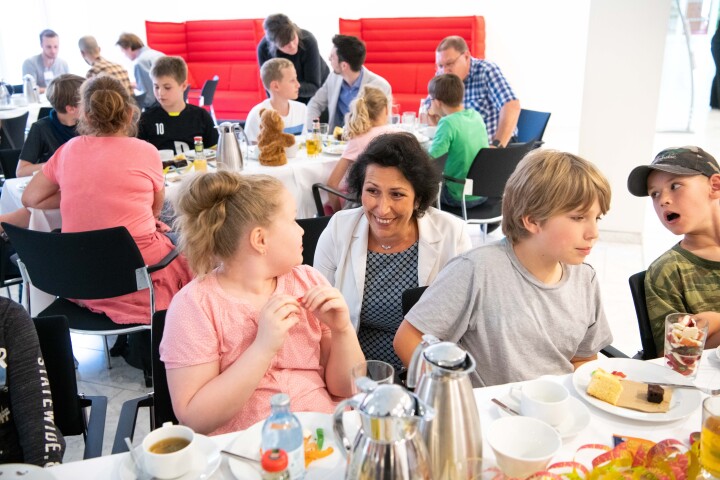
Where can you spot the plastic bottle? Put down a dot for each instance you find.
(282, 430)
(274, 464)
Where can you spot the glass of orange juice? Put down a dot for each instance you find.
(710, 438)
(200, 165)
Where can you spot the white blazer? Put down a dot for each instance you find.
(341, 253)
(328, 94)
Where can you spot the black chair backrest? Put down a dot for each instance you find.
(493, 166)
(43, 112)
(13, 131)
(410, 298)
(9, 160)
(54, 335)
(208, 90)
(84, 265)
(162, 405)
(637, 289)
(531, 125)
(313, 228)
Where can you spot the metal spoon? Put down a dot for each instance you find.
(504, 407)
(141, 474)
(242, 458)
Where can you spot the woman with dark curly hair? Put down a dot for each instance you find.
(395, 241)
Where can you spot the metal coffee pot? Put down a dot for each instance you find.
(229, 154)
(388, 445)
(30, 89)
(440, 373)
(5, 94)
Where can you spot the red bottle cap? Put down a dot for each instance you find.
(274, 460)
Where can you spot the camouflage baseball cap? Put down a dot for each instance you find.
(676, 160)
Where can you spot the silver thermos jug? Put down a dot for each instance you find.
(30, 89)
(440, 373)
(229, 154)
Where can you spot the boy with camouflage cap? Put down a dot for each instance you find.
(684, 185)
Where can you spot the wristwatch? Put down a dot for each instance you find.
(496, 143)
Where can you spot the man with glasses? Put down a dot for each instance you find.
(486, 89)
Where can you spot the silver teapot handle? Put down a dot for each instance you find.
(338, 427)
(415, 367)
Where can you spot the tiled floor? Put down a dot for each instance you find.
(614, 262)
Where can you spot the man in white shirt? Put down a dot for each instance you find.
(47, 65)
(280, 79)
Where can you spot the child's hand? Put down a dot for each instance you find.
(277, 317)
(328, 305)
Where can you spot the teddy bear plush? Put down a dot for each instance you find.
(272, 140)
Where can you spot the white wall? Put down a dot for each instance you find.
(540, 46)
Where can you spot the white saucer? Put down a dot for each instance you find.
(24, 471)
(576, 419)
(206, 459)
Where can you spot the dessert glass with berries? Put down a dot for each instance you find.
(684, 342)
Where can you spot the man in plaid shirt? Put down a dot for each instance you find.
(90, 52)
(486, 89)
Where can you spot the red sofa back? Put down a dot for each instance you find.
(216, 47)
(402, 50)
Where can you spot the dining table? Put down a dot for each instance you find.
(19, 106)
(600, 429)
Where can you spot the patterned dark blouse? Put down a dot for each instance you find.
(387, 275)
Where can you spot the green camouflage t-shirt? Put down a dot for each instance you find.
(679, 281)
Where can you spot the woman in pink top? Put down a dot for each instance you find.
(254, 322)
(111, 179)
(368, 118)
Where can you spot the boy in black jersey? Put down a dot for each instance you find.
(172, 123)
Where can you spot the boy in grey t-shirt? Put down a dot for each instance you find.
(529, 306)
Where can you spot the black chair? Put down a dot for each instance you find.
(489, 172)
(207, 95)
(637, 289)
(69, 405)
(313, 228)
(411, 296)
(85, 265)
(43, 112)
(12, 132)
(9, 273)
(531, 125)
(158, 402)
(318, 199)
(9, 160)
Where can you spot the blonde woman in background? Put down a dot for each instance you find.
(368, 118)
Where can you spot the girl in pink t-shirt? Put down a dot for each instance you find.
(254, 322)
(368, 118)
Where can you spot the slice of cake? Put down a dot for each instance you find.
(605, 386)
(655, 393)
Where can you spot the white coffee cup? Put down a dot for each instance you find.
(168, 465)
(522, 445)
(543, 399)
(166, 155)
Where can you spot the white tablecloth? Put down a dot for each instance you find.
(33, 109)
(600, 430)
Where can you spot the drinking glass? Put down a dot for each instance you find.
(408, 121)
(395, 115)
(376, 370)
(324, 133)
(684, 342)
(710, 438)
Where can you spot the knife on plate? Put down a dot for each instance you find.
(681, 385)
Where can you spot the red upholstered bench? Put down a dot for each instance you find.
(216, 47)
(402, 50)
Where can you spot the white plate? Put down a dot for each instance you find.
(9, 107)
(717, 352)
(206, 459)
(421, 138)
(333, 466)
(24, 471)
(576, 419)
(209, 154)
(684, 401)
(334, 149)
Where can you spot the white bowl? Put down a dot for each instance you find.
(522, 445)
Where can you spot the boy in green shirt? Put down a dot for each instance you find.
(684, 185)
(460, 133)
